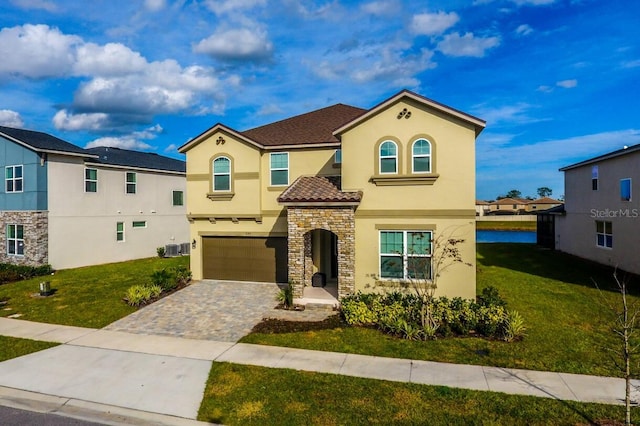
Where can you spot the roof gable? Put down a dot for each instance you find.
(136, 159)
(218, 127)
(477, 123)
(42, 142)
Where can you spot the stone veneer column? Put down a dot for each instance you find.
(36, 237)
(303, 220)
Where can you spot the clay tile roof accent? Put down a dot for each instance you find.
(318, 189)
(545, 200)
(311, 128)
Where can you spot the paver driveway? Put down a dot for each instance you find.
(207, 310)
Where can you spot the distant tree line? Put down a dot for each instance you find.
(543, 191)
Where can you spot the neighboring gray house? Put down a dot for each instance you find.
(68, 206)
(602, 210)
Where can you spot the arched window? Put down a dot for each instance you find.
(421, 156)
(388, 157)
(222, 174)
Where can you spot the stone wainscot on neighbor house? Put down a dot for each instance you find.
(342, 193)
(601, 216)
(69, 207)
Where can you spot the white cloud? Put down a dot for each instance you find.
(467, 45)
(49, 6)
(381, 8)
(631, 64)
(10, 118)
(532, 2)
(510, 114)
(236, 44)
(37, 51)
(433, 23)
(133, 141)
(171, 148)
(524, 30)
(65, 121)
(220, 7)
(567, 84)
(155, 5)
(269, 109)
(545, 89)
(111, 59)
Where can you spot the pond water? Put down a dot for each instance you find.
(506, 237)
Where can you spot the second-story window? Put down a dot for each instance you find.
(90, 180)
(337, 157)
(178, 198)
(132, 183)
(388, 157)
(222, 174)
(421, 156)
(625, 189)
(279, 165)
(13, 178)
(594, 178)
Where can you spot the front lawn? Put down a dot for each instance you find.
(568, 328)
(245, 395)
(85, 297)
(12, 347)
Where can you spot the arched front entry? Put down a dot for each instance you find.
(321, 239)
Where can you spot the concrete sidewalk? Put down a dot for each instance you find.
(167, 375)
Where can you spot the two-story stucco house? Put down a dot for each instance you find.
(354, 194)
(68, 206)
(601, 219)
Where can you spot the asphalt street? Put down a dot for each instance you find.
(14, 417)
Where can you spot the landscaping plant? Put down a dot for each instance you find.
(285, 296)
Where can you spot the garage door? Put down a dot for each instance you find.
(245, 258)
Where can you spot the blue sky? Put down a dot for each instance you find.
(557, 81)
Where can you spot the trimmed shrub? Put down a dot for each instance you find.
(164, 279)
(138, 295)
(401, 314)
(11, 273)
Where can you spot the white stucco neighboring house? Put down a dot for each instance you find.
(68, 206)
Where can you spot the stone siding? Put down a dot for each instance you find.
(36, 237)
(301, 222)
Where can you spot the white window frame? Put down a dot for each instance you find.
(606, 244)
(337, 156)
(134, 183)
(386, 157)
(213, 168)
(14, 179)
(87, 180)
(278, 169)
(173, 198)
(17, 243)
(414, 156)
(119, 233)
(405, 255)
(136, 224)
(622, 198)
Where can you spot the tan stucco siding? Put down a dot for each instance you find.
(457, 281)
(453, 160)
(576, 232)
(82, 226)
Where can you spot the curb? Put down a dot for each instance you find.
(88, 411)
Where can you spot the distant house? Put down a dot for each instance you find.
(68, 206)
(354, 195)
(540, 204)
(506, 206)
(602, 210)
(482, 208)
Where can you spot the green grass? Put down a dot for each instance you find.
(246, 395)
(84, 297)
(506, 225)
(12, 347)
(568, 327)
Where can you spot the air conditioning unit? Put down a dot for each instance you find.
(185, 248)
(171, 250)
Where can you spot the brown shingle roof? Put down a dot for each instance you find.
(311, 128)
(545, 200)
(318, 189)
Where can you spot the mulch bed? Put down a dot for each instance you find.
(278, 326)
